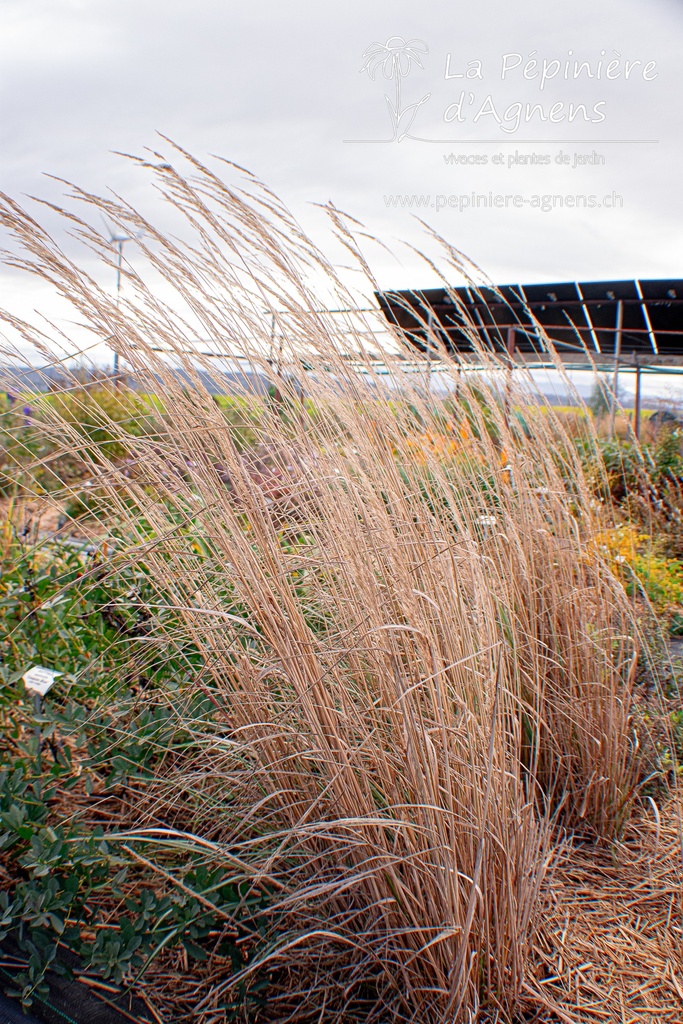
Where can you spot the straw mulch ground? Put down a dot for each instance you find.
(610, 947)
(611, 944)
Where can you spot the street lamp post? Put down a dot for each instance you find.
(120, 240)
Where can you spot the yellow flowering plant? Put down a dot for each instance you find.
(630, 555)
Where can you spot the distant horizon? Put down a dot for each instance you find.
(554, 388)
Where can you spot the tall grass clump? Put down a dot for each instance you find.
(421, 669)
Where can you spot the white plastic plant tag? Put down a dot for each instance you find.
(39, 680)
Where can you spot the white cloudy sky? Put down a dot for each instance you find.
(278, 88)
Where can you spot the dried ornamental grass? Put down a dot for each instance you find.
(424, 668)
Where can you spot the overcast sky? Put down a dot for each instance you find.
(279, 88)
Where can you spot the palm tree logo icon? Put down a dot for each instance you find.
(396, 58)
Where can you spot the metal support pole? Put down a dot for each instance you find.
(617, 355)
(119, 249)
(272, 339)
(636, 410)
(511, 343)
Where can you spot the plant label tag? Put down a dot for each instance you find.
(39, 680)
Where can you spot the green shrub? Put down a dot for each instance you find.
(104, 727)
(92, 412)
